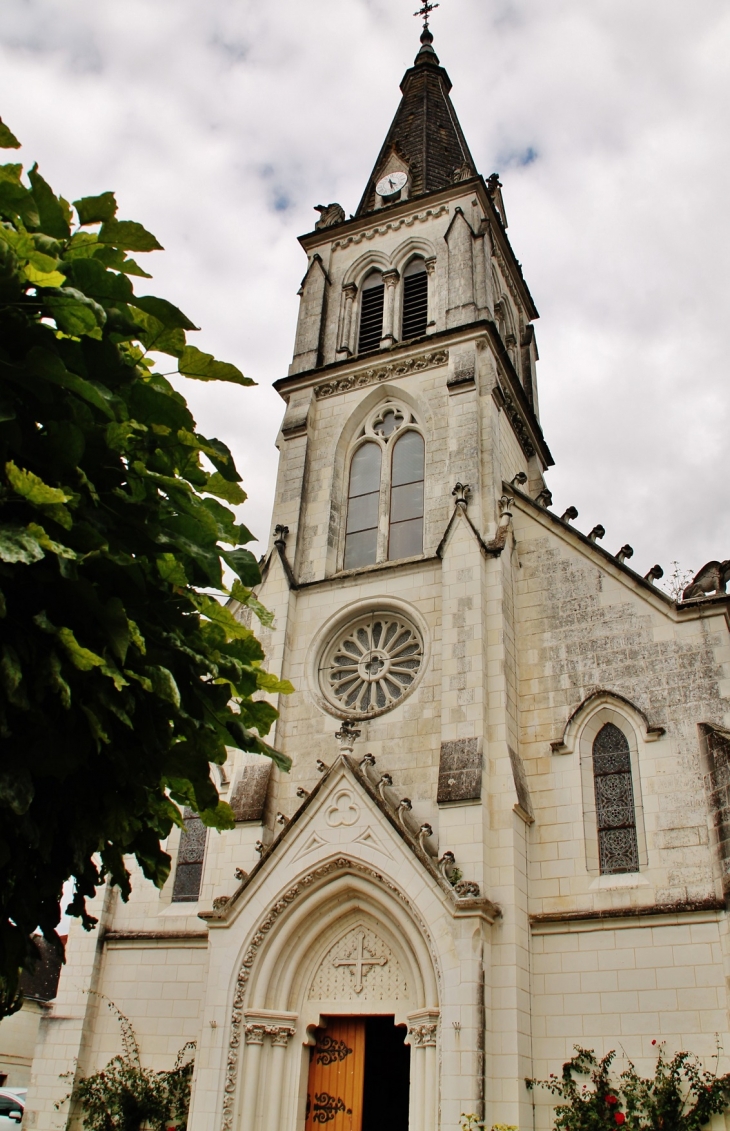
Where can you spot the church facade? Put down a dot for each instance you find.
(505, 828)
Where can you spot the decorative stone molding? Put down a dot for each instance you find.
(393, 226)
(382, 373)
(342, 863)
(423, 1035)
(516, 420)
(359, 967)
(280, 1034)
(255, 1034)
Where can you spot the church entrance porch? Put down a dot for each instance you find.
(359, 1075)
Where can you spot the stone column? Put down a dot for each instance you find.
(254, 1035)
(431, 272)
(390, 278)
(349, 293)
(424, 1097)
(280, 1035)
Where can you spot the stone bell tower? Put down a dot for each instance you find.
(411, 401)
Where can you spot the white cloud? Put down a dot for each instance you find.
(219, 125)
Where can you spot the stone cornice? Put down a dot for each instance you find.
(401, 360)
(391, 226)
(378, 373)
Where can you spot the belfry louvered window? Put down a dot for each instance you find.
(415, 300)
(372, 300)
(190, 856)
(618, 849)
(385, 505)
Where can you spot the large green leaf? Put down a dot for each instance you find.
(224, 489)
(128, 235)
(76, 313)
(96, 209)
(32, 487)
(244, 564)
(204, 367)
(8, 140)
(164, 312)
(17, 544)
(53, 216)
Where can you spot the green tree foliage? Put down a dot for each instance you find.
(121, 678)
(124, 1096)
(680, 1096)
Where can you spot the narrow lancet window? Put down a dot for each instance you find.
(363, 507)
(618, 849)
(190, 856)
(406, 497)
(371, 313)
(415, 300)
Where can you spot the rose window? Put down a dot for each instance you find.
(372, 665)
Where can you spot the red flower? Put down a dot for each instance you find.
(611, 1100)
(620, 1117)
(653, 1042)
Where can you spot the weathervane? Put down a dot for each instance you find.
(425, 11)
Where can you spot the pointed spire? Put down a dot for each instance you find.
(425, 137)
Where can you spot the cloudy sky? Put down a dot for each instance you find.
(220, 123)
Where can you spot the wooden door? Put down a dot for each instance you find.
(336, 1076)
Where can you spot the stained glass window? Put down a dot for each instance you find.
(190, 856)
(615, 810)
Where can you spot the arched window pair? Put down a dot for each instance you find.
(414, 311)
(385, 498)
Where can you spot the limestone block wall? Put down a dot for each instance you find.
(18, 1035)
(585, 628)
(624, 984)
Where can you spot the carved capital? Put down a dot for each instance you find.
(349, 291)
(424, 1035)
(255, 1034)
(280, 1034)
(390, 278)
(430, 264)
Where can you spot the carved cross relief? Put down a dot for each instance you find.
(359, 962)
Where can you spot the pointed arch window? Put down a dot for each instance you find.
(618, 848)
(415, 300)
(406, 497)
(372, 303)
(363, 506)
(385, 505)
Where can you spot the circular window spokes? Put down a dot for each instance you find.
(372, 664)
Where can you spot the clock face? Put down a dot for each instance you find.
(391, 185)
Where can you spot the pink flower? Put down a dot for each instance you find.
(619, 1117)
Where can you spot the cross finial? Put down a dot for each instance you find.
(425, 11)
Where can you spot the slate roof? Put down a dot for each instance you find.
(425, 131)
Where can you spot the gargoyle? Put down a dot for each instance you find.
(330, 214)
(712, 578)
